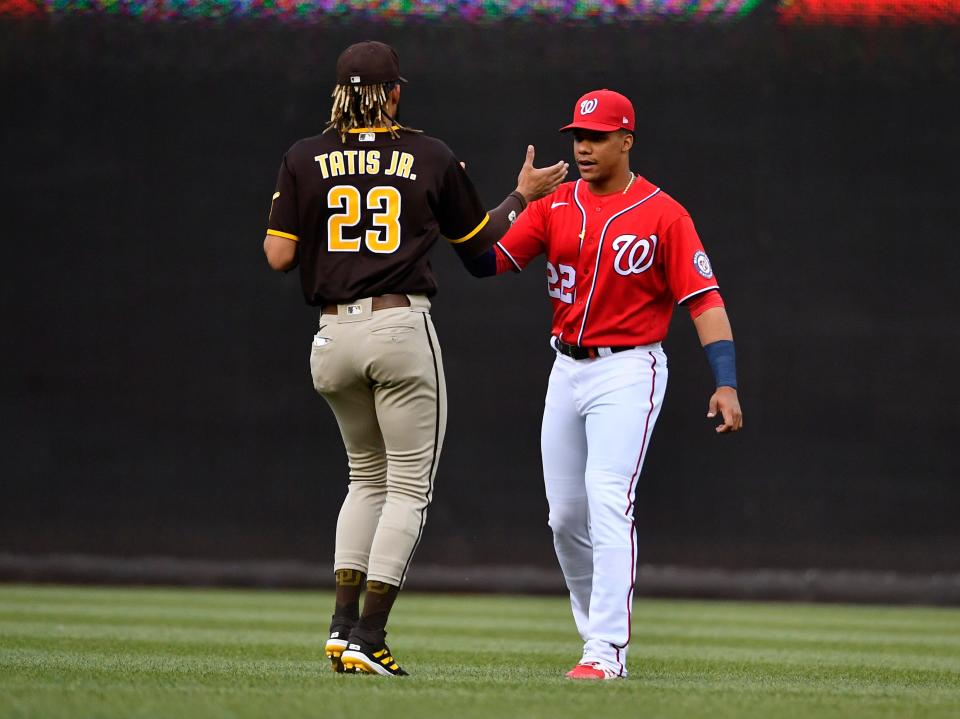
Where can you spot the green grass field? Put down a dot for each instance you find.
(84, 652)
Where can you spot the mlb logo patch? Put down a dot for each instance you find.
(355, 79)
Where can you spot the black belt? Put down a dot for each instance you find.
(579, 353)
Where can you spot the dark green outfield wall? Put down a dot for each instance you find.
(155, 394)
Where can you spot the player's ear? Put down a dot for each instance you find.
(395, 94)
(627, 140)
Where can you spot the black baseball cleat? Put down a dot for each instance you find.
(337, 643)
(361, 656)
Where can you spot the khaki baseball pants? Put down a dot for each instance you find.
(382, 375)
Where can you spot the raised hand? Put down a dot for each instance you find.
(536, 182)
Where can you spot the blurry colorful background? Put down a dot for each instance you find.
(813, 11)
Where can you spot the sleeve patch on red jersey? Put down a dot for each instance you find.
(702, 263)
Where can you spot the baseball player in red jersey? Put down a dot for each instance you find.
(620, 253)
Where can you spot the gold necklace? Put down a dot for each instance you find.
(632, 178)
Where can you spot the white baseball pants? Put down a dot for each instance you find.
(597, 422)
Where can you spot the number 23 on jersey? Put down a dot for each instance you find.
(385, 204)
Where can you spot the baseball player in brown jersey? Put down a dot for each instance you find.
(359, 207)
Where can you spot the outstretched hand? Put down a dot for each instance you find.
(536, 182)
(725, 401)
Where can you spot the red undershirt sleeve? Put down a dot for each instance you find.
(703, 302)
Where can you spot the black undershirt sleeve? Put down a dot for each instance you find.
(484, 265)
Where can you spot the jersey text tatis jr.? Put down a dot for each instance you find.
(365, 162)
(366, 211)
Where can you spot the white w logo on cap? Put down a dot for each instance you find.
(588, 106)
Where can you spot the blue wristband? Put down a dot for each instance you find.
(723, 361)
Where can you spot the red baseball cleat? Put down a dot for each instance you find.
(591, 670)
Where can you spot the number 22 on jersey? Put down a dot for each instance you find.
(385, 204)
(560, 284)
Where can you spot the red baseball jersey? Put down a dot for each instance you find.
(616, 264)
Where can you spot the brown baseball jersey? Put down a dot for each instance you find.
(367, 212)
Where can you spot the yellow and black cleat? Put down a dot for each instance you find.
(335, 647)
(359, 656)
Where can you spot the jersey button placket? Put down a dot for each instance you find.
(586, 262)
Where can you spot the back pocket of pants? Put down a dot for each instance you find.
(394, 330)
(393, 334)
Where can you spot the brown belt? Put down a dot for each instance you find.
(382, 302)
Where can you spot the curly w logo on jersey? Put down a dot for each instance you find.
(634, 254)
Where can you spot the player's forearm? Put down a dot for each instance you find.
(713, 326)
(281, 253)
(484, 265)
(716, 336)
(501, 217)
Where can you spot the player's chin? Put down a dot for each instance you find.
(588, 172)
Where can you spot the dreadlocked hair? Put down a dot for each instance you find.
(357, 106)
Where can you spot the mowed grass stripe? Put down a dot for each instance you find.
(319, 610)
(520, 605)
(271, 606)
(509, 680)
(256, 600)
(303, 647)
(413, 607)
(58, 624)
(788, 614)
(644, 636)
(657, 699)
(924, 669)
(459, 673)
(229, 635)
(403, 614)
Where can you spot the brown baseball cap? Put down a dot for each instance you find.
(368, 63)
